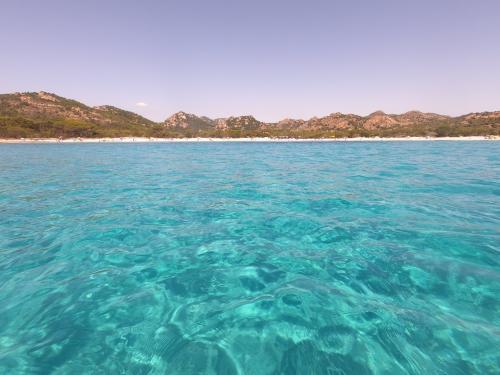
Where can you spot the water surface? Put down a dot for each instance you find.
(250, 258)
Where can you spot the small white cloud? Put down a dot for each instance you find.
(141, 104)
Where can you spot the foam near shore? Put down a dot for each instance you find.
(257, 139)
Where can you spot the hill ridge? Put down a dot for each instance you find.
(45, 114)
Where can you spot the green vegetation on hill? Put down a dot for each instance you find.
(44, 115)
(16, 127)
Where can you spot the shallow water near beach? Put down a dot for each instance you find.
(250, 258)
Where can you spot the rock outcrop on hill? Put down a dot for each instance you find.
(47, 115)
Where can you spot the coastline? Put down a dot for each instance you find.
(257, 139)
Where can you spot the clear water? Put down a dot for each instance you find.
(250, 258)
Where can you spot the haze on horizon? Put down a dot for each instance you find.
(271, 59)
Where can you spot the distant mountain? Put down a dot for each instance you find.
(242, 123)
(334, 121)
(46, 106)
(44, 114)
(183, 121)
(188, 121)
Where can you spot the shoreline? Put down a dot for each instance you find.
(256, 139)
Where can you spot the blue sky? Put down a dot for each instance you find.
(272, 59)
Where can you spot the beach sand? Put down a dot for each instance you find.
(177, 140)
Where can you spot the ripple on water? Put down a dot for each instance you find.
(310, 258)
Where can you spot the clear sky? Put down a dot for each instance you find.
(270, 58)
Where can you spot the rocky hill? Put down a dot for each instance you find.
(413, 123)
(44, 114)
(43, 105)
(188, 121)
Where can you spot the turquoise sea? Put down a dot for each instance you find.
(250, 258)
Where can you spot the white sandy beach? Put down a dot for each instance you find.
(260, 139)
